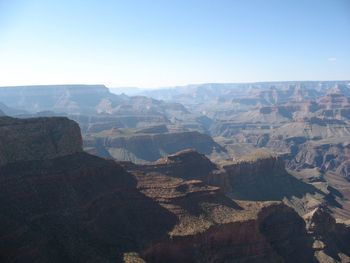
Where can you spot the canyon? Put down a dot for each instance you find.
(76, 207)
(254, 172)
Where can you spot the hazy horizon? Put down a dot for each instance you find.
(173, 86)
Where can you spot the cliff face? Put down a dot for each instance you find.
(150, 147)
(37, 139)
(262, 177)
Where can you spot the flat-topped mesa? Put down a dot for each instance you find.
(38, 139)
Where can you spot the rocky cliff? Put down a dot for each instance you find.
(37, 139)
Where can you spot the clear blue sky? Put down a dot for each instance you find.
(150, 43)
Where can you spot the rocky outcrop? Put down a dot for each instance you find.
(276, 234)
(37, 139)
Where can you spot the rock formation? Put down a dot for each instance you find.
(37, 139)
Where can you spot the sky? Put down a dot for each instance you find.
(157, 43)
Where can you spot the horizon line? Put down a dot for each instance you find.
(173, 86)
